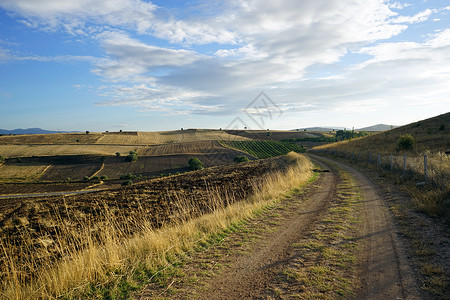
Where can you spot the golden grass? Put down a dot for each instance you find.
(21, 171)
(432, 135)
(106, 254)
(53, 150)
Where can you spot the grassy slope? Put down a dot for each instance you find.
(431, 135)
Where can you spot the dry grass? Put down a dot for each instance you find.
(54, 150)
(94, 255)
(431, 135)
(168, 137)
(25, 172)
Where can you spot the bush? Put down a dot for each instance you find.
(405, 142)
(95, 178)
(195, 164)
(104, 177)
(128, 176)
(86, 178)
(132, 156)
(127, 182)
(240, 158)
(118, 154)
(2, 159)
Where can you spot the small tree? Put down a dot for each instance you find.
(405, 142)
(195, 164)
(240, 158)
(87, 131)
(118, 154)
(127, 182)
(269, 133)
(86, 178)
(104, 177)
(132, 156)
(128, 176)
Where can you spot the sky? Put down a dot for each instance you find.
(164, 65)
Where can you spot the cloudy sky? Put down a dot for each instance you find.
(161, 65)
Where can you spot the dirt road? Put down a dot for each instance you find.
(258, 269)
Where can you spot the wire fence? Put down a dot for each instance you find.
(428, 168)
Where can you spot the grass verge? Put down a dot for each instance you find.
(325, 265)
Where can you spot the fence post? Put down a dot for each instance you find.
(370, 156)
(379, 160)
(391, 161)
(425, 167)
(404, 164)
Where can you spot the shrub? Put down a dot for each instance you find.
(240, 158)
(19, 160)
(104, 177)
(405, 142)
(118, 154)
(132, 156)
(127, 182)
(195, 164)
(128, 176)
(2, 159)
(86, 178)
(95, 178)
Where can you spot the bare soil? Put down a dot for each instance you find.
(250, 263)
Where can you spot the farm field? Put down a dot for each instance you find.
(67, 149)
(59, 159)
(36, 224)
(264, 149)
(21, 171)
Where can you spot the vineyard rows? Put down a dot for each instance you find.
(264, 149)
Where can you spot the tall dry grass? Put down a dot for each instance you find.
(99, 254)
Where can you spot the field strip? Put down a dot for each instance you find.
(236, 149)
(96, 173)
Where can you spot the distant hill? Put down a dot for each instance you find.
(30, 131)
(378, 127)
(320, 129)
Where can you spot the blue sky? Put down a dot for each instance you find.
(161, 65)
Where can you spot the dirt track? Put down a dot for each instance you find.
(383, 272)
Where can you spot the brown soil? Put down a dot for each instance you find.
(239, 269)
(159, 201)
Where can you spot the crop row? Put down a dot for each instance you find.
(264, 149)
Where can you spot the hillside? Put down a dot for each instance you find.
(378, 127)
(430, 135)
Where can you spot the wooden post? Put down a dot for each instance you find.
(392, 162)
(425, 169)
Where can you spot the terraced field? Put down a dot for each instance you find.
(65, 149)
(25, 172)
(167, 137)
(182, 148)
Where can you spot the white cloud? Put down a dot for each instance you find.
(398, 5)
(254, 45)
(418, 18)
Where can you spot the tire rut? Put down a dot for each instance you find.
(385, 271)
(249, 276)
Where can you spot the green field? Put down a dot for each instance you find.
(264, 149)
